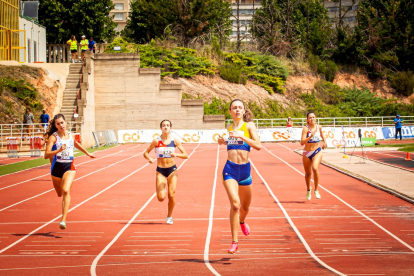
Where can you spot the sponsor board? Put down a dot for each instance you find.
(335, 136)
(406, 131)
(368, 141)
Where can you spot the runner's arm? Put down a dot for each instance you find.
(183, 154)
(149, 149)
(303, 139)
(79, 147)
(50, 142)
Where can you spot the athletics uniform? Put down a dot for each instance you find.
(238, 172)
(164, 151)
(63, 161)
(315, 139)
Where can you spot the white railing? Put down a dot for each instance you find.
(334, 121)
(23, 133)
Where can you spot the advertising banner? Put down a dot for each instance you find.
(335, 136)
(406, 131)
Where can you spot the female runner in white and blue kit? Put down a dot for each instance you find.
(60, 145)
(166, 169)
(236, 173)
(312, 135)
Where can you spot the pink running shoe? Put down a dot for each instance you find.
(233, 248)
(245, 228)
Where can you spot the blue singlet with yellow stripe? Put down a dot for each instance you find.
(239, 172)
(237, 143)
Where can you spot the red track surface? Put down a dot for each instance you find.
(392, 141)
(117, 227)
(394, 157)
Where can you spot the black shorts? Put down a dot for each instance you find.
(166, 171)
(83, 51)
(73, 51)
(58, 169)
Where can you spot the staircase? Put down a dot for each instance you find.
(71, 91)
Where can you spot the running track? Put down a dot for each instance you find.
(392, 157)
(117, 227)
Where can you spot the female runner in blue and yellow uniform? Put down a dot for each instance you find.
(166, 169)
(60, 144)
(236, 173)
(312, 154)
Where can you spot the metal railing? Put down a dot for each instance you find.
(25, 131)
(334, 121)
(60, 53)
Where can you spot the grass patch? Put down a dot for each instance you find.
(12, 168)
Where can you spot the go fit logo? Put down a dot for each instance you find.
(134, 137)
(277, 135)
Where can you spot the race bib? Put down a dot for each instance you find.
(233, 140)
(165, 152)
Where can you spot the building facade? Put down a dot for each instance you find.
(347, 9)
(120, 13)
(34, 40)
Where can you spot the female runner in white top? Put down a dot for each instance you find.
(166, 169)
(60, 144)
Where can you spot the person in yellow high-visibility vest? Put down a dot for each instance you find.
(84, 46)
(73, 48)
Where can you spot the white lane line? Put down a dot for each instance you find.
(27, 199)
(48, 164)
(163, 238)
(294, 226)
(350, 206)
(388, 154)
(163, 232)
(73, 208)
(96, 260)
(163, 245)
(77, 165)
(36, 245)
(210, 221)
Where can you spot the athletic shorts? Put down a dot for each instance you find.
(239, 172)
(58, 169)
(166, 171)
(83, 51)
(311, 154)
(73, 51)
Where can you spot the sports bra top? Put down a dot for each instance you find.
(164, 151)
(316, 138)
(65, 156)
(237, 143)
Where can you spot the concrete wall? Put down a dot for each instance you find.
(35, 35)
(129, 97)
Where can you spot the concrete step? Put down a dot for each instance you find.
(70, 95)
(68, 102)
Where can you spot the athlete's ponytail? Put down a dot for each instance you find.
(52, 128)
(248, 115)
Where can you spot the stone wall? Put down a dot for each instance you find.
(129, 97)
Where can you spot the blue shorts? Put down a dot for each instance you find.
(311, 154)
(240, 173)
(58, 169)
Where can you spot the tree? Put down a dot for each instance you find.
(187, 20)
(71, 17)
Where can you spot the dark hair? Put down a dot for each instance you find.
(310, 112)
(165, 121)
(72, 37)
(28, 109)
(248, 115)
(52, 128)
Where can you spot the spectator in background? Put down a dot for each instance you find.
(73, 48)
(92, 45)
(28, 120)
(398, 125)
(289, 122)
(44, 119)
(84, 46)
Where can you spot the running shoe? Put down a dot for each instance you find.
(317, 194)
(169, 220)
(62, 225)
(233, 248)
(245, 228)
(308, 195)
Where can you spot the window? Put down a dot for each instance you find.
(234, 33)
(119, 6)
(119, 16)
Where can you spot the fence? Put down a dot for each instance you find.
(60, 53)
(104, 138)
(24, 132)
(334, 121)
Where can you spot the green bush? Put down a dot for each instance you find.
(232, 72)
(328, 92)
(403, 82)
(217, 107)
(23, 91)
(330, 70)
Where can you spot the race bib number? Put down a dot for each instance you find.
(233, 140)
(165, 151)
